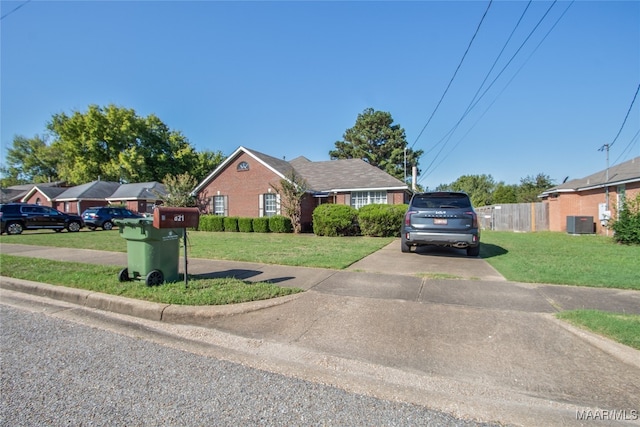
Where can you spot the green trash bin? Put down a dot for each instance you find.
(153, 254)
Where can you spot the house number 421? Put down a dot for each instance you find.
(178, 218)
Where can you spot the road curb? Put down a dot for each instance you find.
(169, 313)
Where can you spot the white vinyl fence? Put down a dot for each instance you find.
(514, 217)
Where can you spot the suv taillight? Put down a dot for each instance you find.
(474, 219)
(407, 217)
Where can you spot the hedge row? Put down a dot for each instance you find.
(273, 224)
(372, 220)
(328, 220)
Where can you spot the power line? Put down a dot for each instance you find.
(424, 175)
(454, 74)
(628, 148)
(14, 9)
(474, 101)
(625, 117)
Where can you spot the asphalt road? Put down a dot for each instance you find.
(64, 366)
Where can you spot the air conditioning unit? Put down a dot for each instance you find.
(580, 225)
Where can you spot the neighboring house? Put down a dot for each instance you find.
(17, 193)
(593, 195)
(139, 197)
(243, 185)
(77, 199)
(42, 195)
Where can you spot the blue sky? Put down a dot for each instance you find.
(288, 78)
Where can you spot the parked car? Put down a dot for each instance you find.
(103, 216)
(16, 217)
(441, 219)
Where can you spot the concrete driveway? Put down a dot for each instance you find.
(427, 261)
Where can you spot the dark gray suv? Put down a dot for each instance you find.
(441, 219)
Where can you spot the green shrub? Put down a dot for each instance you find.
(230, 223)
(334, 220)
(626, 227)
(379, 220)
(261, 225)
(280, 224)
(245, 225)
(211, 223)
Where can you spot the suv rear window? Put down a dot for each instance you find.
(441, 201)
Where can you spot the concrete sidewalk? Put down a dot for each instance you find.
(483, 348)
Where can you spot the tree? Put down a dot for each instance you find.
(479, 188)
(292, 190)
(115, 144)
(505, 193)
(30, 160)
(179, 189)
(376, 140)
(531, 187)
(205, 163)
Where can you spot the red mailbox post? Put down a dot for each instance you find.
(168, 217)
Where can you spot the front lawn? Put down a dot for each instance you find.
(560, 258)
(200, 291)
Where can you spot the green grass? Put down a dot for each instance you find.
(104, 279)
(543, 257)
(624, 328)
(305, 250)
(560, 258)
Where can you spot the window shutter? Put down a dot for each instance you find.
(225, 200)
(389, 198)
(261, 205)
(278, 204)
(347, 199)
(212, 206)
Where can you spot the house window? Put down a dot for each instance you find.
(219, 205)
(363, 198)
(270, 204)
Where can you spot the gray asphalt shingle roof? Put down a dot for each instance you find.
(332, 175)
(628, 171)
(140, 190)
(92, 190)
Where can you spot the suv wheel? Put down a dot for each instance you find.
(14, 228)
(473, 250)
(404, 247)
(73, 226)
(108, 225)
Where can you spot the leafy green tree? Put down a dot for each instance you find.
(179, 189)
(376, 140)
(531, 187)
(30, 160)
(115, 144)
(205, 163)
(479, 188)
(505, 193)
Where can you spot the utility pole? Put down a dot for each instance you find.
(605, 147)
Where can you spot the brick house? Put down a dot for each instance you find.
(43, 195)
(590, 196)
(243, 185)
(77, 199)
(138, 197)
